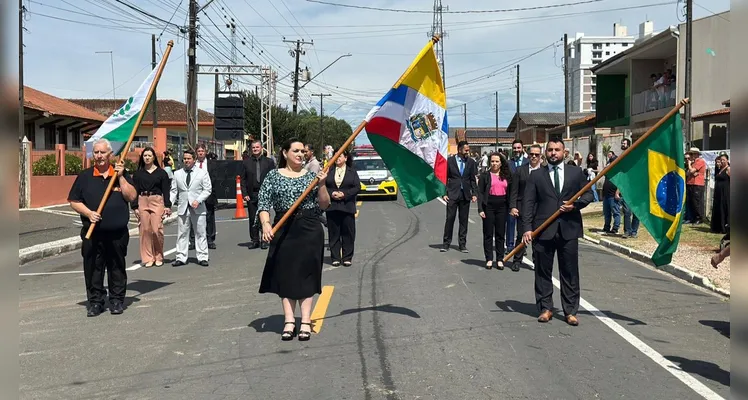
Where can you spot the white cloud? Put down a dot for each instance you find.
(61, 59)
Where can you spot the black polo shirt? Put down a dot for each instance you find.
(89, 188)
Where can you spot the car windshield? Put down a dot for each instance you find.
(372, 164)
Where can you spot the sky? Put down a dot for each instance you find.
(481, 48)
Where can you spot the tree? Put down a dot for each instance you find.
(305, 125)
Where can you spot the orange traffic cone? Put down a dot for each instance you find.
(241, 212)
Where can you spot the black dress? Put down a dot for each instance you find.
(293, 268)
(721, 202)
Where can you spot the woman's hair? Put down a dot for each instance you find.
(141, 162)
(348, 158)
(286, 147)
(504, 172)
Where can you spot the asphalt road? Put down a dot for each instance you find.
(404, 322)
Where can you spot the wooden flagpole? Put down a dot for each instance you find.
(602, 173)
(132, 134)
(331, 162)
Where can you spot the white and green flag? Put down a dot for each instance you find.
(118, 127)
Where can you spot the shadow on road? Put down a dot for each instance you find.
(387, 308)
(273, 323)
(531, 310)
(723, 327)
(140, 286)
(706, 369)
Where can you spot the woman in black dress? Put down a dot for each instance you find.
(343, 185)
(721, 200)
(293, 269)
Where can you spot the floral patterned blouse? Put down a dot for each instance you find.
(280, 192)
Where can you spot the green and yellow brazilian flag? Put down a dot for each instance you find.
(652, 180)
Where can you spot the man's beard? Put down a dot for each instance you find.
(557, 162)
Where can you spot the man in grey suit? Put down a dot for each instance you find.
(189, 190)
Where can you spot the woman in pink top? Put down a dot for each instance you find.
(493, 194)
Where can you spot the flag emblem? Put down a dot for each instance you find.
(421, 126)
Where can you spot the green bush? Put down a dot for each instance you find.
(73, 164)
(45, 166)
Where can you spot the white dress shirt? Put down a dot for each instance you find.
(560, 175)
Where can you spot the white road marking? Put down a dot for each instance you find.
(445, 203)
(138, 266)
(49, 273)
(668, 365)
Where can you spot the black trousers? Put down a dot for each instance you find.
(695, 199)
(494, 227)
(254, 230)
(453, 206)
(568, 272)
(518, 256)
(105, 251)
(210, 225)
(341, 230)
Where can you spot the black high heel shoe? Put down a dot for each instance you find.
(304, 335)
(289, 335)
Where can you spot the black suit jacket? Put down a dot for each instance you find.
(212, 200)
(541, 196)
(249, 187)
(350, 187)
(517, 192)
(484, 188)
(467, 180)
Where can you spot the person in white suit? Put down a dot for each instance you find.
(189, 190)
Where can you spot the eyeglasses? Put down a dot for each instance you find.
(534, 155)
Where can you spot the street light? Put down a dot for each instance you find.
(111, 60)
(323, 70)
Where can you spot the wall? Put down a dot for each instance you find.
(50, 190)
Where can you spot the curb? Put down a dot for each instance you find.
(51, 249)
(672, 269)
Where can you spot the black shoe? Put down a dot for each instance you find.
(444, 249)
(192, 246)
(514, 266)
(264, 246)
(211, 246)
(94, 310)
(305, 335)
(116, 308)
(203, 263)
(178, 263)
(347, 263)
(464, 250)
(253, 245)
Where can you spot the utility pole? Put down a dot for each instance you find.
(689, 75)
(566, 86)
(192, 133)
(437, 29)
(153, 66)
(517, 128)
(297, 53)
(21, 123)
(464, 118)
(321, 97)
(496, 94)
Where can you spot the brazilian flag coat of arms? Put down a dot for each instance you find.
(652, 181)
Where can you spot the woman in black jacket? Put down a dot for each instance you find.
(343, 185)
(493, 201)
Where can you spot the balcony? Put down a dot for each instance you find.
(653, 99)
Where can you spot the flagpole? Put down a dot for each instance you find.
(132, 134)
(331, 162)
(602, 173)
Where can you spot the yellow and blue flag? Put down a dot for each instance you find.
(652, 180)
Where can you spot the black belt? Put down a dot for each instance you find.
(299, 213)
(150, 194)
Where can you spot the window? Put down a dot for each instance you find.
(594, 80)
(593, 98)
(597, 46)
(607, 53)
(596, 62)
(597, 54)
(592, 106)
(607, 44)
(76, 136)
(625, 44)
(372, 164)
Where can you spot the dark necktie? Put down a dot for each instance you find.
(556, 181)
(257, 170)
(189, 171)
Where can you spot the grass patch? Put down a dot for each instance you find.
(697, 236)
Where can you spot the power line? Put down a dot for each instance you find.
(456, 12)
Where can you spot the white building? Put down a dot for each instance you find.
(586, 52)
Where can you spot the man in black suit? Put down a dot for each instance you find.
(210, 203)
(517, 194)
(462, 188)
(546, 191)
(519, 158)
(256, 167)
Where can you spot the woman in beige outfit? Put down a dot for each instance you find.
(153, 204)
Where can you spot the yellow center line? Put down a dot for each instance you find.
(358, 203)
(318, 314)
